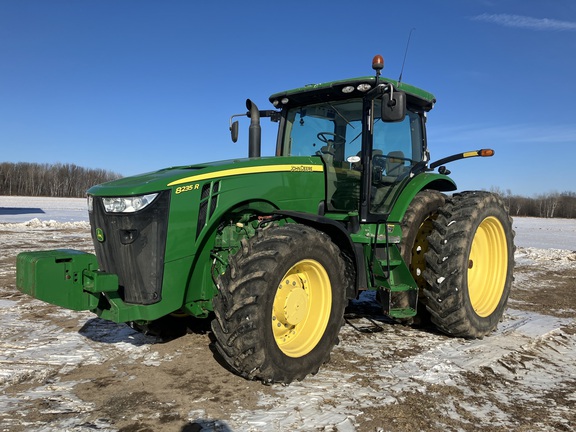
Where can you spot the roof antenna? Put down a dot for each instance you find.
(405, 52)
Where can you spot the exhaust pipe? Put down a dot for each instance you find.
(255, 131)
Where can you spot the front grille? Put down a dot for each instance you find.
(133, 247)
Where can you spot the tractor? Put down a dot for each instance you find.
(270, 250)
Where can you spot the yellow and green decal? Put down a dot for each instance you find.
(247, 170)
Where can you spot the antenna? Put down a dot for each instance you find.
(405, 52)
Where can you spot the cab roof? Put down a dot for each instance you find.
(315, 93)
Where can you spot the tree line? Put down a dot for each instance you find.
(54, 180)
(69, 180)
(551, 205)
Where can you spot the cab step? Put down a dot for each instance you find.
(399, 301)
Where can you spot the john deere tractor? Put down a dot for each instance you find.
(271, 249)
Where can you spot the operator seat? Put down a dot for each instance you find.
(357, 166)
(393, 169)
(395, 164)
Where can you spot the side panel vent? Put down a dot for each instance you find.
(208, 203)
(214, 199)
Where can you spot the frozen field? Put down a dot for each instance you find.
(22, 209)
(63, 370)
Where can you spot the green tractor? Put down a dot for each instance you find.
(272, 249)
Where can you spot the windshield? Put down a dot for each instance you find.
(333, 131)
(338, 125)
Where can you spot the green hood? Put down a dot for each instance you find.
(177, 176)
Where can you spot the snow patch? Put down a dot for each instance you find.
(44, 224)
(531, 255)
(545, 233)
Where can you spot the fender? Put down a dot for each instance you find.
(339, 235)
(420, 182)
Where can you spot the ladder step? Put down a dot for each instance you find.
(400, 313)
(393, 263)
(399, 301)
(400, 288)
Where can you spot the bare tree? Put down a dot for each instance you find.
(57, 180)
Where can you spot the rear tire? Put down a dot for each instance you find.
(469, 264)
(417, 225)
(280, 304)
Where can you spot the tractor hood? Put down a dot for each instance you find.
(178, 176)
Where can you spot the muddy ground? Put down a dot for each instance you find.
(64, 370)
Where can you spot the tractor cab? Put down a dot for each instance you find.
(353, 143)
(369, 132)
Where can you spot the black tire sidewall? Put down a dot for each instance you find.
(425, 204)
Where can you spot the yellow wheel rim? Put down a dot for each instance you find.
(301, 308)
(487, 266)
(418, 263)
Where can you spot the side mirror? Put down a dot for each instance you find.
(234, 131)
(393, 106)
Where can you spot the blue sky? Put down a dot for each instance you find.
(136, 85)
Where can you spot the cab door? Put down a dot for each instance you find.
(332, 131)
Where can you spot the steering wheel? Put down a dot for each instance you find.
(323, 136)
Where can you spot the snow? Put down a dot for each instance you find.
(529, 349)
(545, 233)
(15, 209)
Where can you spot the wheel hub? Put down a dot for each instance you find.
(291, 305)
(301, 308)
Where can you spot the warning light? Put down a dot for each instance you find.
(486, 152)
(378, 63)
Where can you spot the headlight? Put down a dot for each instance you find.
(127, 204)
(90, 203)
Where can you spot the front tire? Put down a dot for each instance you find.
(280, 304)
(469, 264)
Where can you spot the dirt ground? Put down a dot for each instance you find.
(382, 377)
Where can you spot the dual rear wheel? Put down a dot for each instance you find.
(460, 250)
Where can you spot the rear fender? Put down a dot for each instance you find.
(437, 182)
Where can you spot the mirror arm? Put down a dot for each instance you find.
(237, 115)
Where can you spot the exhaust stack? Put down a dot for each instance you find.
(255, 131)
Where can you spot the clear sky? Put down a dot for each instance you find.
(136, 85)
